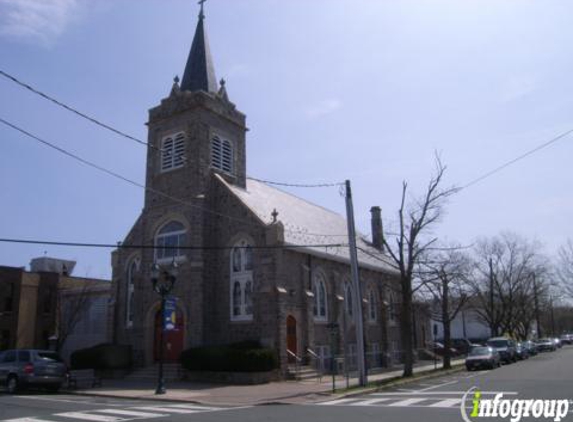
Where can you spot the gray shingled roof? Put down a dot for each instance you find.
(308, 224)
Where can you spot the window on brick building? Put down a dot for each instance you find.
(320, 298)
(348, 300)
(168, 240)
(173, 152)
(222, 154)
(372, 305)
(9, 299)
(241, 282)
(392, 307)
(132, 269)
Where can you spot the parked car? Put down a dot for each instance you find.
(557, 342)
(482, 357)
(438, 348)
(462, 345)
(521, 351)
(31, 368)
(531, 347)
(546, 345)
(505, 347)
(566, 338)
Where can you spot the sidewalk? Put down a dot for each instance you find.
(287, 392)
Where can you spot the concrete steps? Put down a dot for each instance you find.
(305, 372)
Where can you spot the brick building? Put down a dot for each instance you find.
(252, 259)
(36, 306)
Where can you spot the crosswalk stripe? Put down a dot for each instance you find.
(168, 409)
(407, 402)
(191, 406)
(369, 402)
(26, 420)
(131, 413)
(90, 417)
(447, 403)
(339, 401)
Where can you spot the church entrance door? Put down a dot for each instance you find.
(291, 337)
(172, 339)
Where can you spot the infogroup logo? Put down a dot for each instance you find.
(514, 409)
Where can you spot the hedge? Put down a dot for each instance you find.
(245, 356)
(102, 356)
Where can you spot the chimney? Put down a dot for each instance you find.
(377, 232)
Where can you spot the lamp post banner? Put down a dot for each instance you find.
(169, 313)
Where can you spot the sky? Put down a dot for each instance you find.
(361, 90)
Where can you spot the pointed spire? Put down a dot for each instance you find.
(199, 72)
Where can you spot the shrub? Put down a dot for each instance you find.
(102, 356)
(247, 356)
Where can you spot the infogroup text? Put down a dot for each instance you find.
(515, 409)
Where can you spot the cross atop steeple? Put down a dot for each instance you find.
(201, 14)
(199, 74)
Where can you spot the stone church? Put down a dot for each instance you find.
(251, 260)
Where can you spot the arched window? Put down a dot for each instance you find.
(320, 299)
(241, 282)
(173, 151)
(168, 240)
(392, 307)
(236, 299)
(222, 154)
(132, 269)
(348, 300)
(372, 305)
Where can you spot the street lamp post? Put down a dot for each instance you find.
(162, 281)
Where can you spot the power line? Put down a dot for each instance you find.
(74, 110)
(72, 155)
(297, 185)
(120, 245)
(522, 156)
(139, 185)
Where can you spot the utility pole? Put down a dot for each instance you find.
(491, 303)
(536, 304)
(552, 316)
(356, 284)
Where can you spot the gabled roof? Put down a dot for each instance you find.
(308, 224)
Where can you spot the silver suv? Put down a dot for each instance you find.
(31, 368)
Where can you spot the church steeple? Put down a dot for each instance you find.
(199, 72)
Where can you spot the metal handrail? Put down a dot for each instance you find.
(297, 361)
(310, 352)
(294, 355)
(317, 365)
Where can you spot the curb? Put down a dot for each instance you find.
(327, 393)
(392, 382)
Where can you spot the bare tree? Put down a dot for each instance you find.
(73, 302)
(508, 283)
(565, 267)
(445, 277)
(407, 247)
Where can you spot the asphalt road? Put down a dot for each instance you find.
(546, 376)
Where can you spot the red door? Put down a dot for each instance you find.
(291, 337)
(172, 339)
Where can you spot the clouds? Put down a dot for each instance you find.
(37, 21)
(322, 108)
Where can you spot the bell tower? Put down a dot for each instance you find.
(194, 131)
